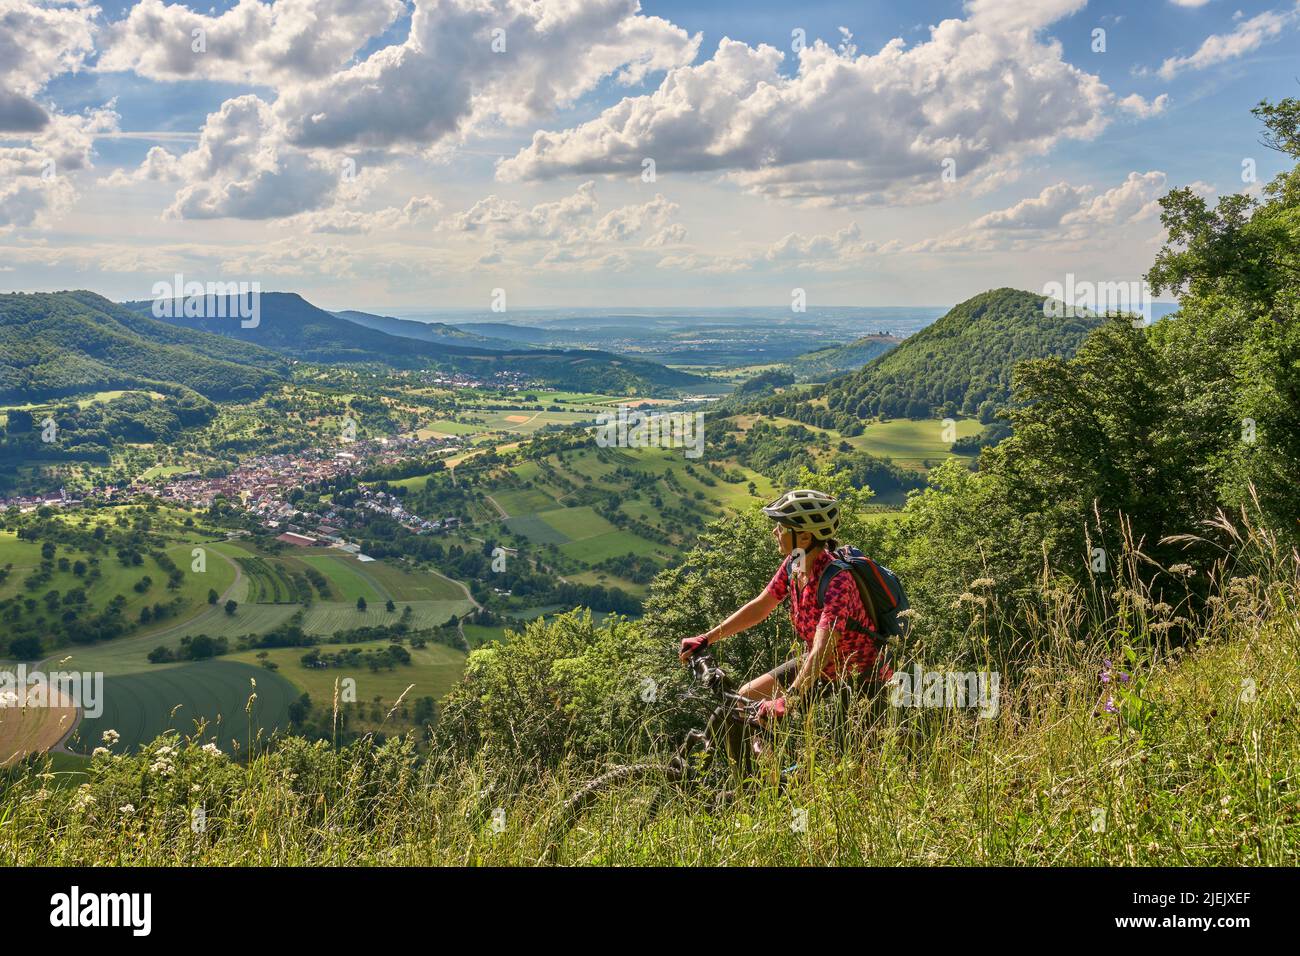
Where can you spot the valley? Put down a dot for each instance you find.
(355, 506)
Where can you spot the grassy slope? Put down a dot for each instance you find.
(911, 443)
(1208, 781)
(143, 705)
(141, 695)
(116, 579)
(541, 511)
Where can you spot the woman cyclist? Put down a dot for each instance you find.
(841, 645)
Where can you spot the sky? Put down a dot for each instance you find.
(412, 155)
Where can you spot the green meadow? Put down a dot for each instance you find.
(912, 443)
(115, 579)
(142, 705)
(546, 503)
(433, 670)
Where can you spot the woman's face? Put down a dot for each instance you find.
(801, 540)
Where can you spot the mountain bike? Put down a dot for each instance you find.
(732, 731)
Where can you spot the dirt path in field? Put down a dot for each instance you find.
(49, 729)
(464, 587)
(500, 510)
(530, 421)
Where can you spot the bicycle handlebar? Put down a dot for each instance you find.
(715, 679)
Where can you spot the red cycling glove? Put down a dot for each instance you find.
(692, 644)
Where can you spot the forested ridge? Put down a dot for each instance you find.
(64, 343)
(960, 365)
(292, 326)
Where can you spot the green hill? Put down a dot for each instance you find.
(289, 324)
(63, 343)
(960, 365)
(519, 334)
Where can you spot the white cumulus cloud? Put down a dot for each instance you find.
(466, 63)
(1249, 35)
(280, 41)
(983, 93)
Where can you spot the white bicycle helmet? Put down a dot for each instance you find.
(806, 510)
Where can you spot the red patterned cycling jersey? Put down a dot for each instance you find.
(854, 651)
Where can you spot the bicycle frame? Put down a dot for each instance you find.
(733, 724)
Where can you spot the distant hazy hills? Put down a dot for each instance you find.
(829, 362)
(57, 344)
(960, 364)
(519, 334)
(425, 331)
(289, 324)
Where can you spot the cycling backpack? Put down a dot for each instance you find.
(881, 591)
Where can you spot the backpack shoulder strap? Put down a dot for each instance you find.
(837, 564)
(843, 561)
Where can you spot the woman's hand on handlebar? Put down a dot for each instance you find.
(772, 709)
(692, 645)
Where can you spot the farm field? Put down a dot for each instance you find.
(911, 443)
(533, 493)
(324, 618)
(582, 534)
(518, 501)
(116, 579)
(266, 581)
(130, 654)
(347, 581)
(403, 585)
(348, 577)
(479, 634)
(447, 427)
(142, 705)
(433, 670)
(525, 422)
(604, 579)
(139, 694)
(600, 547)
(583, 398)
(26, 730)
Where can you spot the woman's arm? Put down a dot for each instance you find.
(813, 662)
(750, 614)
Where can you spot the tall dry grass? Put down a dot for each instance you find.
(1111, 746)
